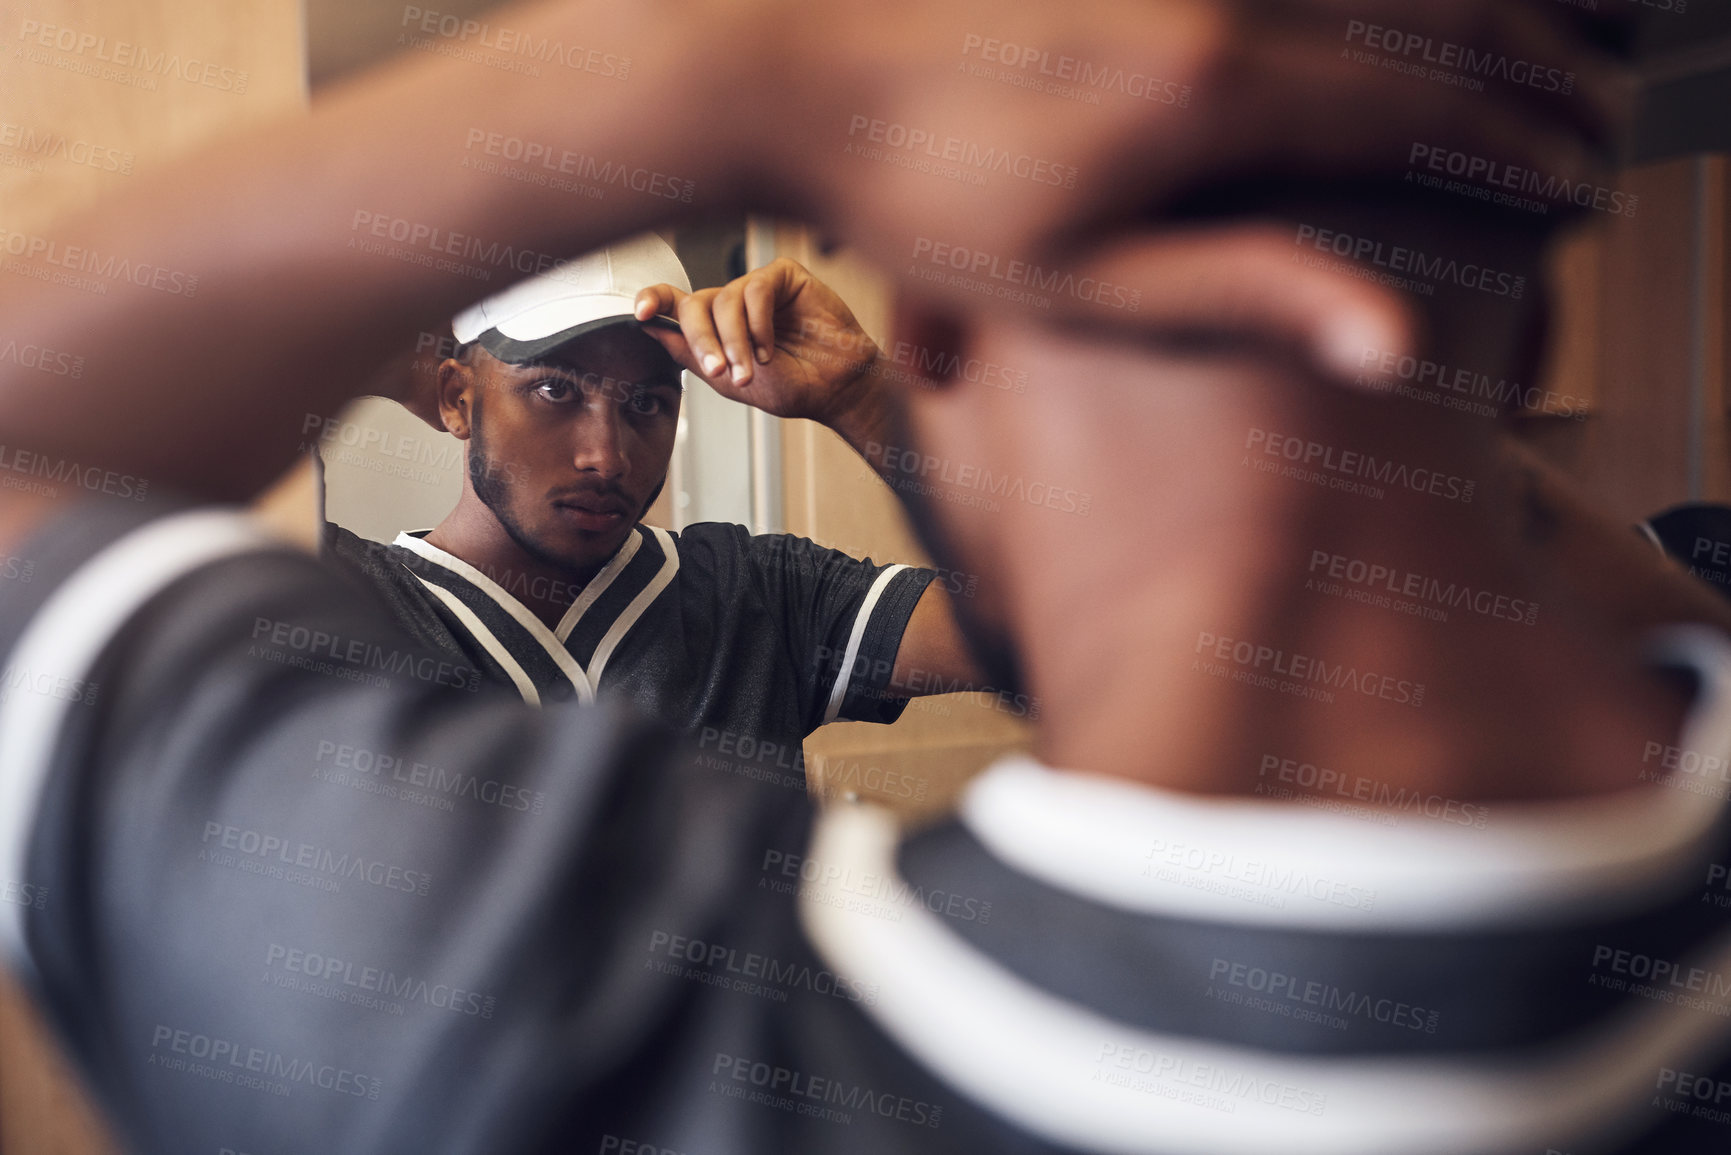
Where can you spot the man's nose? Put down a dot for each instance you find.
(599, 442)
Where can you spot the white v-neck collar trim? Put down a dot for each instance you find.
(598, 585)
(562, 657)
(489, 641)
(629, 616)
(1160, 852)
(584, 680)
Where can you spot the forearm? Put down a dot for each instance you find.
(311, 244)
(868, 423)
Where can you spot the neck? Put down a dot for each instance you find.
(473, 533)
(1264, 623)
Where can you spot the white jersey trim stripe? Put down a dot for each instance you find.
(555, 648)
(597, 586)
(1160, 852)
(844, 676)
(1080, 1079)
(628, 617)
(519, 677)
(64, 640)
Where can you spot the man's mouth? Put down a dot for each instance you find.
(593, 513)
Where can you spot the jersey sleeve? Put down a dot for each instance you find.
(844, 621)
(285, 881)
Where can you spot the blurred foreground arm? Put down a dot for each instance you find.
(319, 248)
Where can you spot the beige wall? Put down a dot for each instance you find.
(386, 470)
(80, 117)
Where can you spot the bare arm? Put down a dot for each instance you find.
(933, 657)
(311, 241)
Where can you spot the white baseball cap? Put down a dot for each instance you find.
(535, 316)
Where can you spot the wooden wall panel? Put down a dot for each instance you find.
(1573, 368)
(93, 92)
(1635, 320)
(145, 79)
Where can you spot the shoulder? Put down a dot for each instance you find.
(781, 550)
(714, 547)
(711, 536)
(350, 546)
(374, 561)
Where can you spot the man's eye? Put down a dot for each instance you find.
(645, 404)
(555, 390)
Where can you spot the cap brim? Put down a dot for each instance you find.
(517, 352)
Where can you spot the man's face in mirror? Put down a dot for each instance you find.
(569, 451)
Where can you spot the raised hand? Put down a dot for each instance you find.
(777, 339)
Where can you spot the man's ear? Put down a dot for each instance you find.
(453, 392)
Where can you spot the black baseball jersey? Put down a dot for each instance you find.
(747, 642)
(283, 897)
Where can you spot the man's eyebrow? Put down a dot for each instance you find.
(542, 365)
